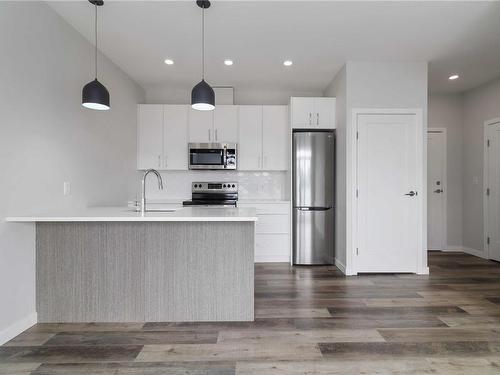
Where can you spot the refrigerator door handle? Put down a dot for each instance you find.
(314, 208)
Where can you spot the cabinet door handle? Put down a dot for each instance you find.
(317, 119)
(310, 118)
(209, 135)
(216, 135)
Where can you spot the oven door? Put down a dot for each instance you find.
(205, 156)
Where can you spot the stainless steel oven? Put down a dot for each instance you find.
(212, 155)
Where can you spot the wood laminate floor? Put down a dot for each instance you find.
(309, 320)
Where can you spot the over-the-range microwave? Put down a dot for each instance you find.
(212, 155)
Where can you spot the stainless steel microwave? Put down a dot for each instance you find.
(212, 155)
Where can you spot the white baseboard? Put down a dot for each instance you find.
(18, 327)
(424, 271)
(454, 248)
(475, 252)
(272, 258)
(340, 265)
(467, 250)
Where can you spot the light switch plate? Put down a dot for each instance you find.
(66, 188)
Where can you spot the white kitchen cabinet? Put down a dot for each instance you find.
(219, 125)
(201, 126)
(225, 123)
(250, 137)
(302, 110)
(314, 113)
(325, 112)
(175, 135)
(162, 136)
(263, 137)
(275, 137)
(272, 230)
(149, 136)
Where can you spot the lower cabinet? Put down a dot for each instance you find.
(272, 231)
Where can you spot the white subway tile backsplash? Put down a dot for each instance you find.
(252, 185)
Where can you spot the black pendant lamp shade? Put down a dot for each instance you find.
(94, 94)
(202, 95)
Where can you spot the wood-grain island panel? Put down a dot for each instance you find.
(148, 271)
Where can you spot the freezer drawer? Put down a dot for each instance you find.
(313, 238)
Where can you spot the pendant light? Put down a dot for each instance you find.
(94, 94)
(203, 96)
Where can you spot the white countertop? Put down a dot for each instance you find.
(127, 214)
(263, 201)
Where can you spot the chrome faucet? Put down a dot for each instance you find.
(143, 186)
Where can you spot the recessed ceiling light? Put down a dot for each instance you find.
(228, 62)
(287, 62)
(169, 62)
(453, 77)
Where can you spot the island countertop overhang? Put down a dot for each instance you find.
(124, 214)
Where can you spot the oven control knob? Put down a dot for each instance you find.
(224, 185)
(233, 185)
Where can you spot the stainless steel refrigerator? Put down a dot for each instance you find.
(313, 197)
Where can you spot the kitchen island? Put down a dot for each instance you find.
(116, 265)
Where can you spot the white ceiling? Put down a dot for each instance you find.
(455, 37)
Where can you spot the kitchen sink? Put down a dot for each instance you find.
(137, 209)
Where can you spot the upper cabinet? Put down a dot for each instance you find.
(315, 113)
(250, 137)
(162, 136)
(201, 126)
(149, 136)
(261, 132)
(275, 137)
(219, 125)
(225, 123)
(175, 135)
(263, 137)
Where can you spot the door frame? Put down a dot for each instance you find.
(445, 182)
(352, 184)
(485, 184)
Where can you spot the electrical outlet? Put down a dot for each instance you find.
(66, 188)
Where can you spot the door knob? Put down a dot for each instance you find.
(411, 193)
(438, 191)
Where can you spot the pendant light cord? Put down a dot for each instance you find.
(203, 42)
(95, 31)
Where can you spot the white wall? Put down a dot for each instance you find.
(47, 138)
(338, 89)
(163, 94)
(370, 85)
(479, 105)
(445, 111)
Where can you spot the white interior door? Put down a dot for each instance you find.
(493, 197)
(436, 198)
(388, 196)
